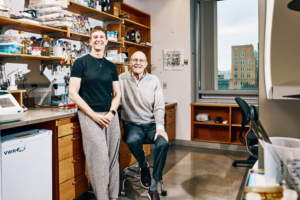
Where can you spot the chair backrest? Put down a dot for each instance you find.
(246, 115)
(254, 112)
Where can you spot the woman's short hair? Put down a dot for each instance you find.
(98, 28)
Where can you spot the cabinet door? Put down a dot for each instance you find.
(68, 129)
(171, 131)
(71, 167)
(74, 187)
(69, 145)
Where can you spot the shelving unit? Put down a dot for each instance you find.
(217, 132)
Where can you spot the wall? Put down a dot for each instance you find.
(170, 29)
(280, 117)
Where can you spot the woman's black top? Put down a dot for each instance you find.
(96, 85)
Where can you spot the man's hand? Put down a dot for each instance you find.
(101, 119)
(161, 133)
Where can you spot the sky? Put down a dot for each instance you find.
(237, 25)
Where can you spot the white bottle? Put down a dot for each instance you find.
(253, 196)
(289, 195)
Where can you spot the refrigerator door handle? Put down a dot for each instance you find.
(74, 161)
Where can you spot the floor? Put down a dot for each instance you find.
(194, 173)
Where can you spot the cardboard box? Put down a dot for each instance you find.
(115, 9)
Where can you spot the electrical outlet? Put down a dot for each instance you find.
(165, 85)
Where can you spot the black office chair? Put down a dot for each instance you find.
(250, 140)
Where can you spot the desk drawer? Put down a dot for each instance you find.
(64, 121)
(71, 167)
(170, 118)
(170, 111)
(68, 129)
(69, 145)
(73, 188)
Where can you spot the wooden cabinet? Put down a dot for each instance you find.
(70, 178)
(170, 121)
(217, 132)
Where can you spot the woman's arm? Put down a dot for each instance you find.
(84, 107)
(116, 92)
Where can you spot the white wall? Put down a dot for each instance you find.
(170, 28)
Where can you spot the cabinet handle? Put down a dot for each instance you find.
(171, 111)
(172, 125)
(130, 154)
(73, 183)
(171, 116)
(75, 138)
(75, 127)
(74, 161)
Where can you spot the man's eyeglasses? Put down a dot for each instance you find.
(137, 60)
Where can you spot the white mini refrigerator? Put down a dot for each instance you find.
(26, 167)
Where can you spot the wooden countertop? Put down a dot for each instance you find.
(38, 115)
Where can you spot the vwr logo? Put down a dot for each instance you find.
(20, 149)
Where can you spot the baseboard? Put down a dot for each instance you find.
(211, 145)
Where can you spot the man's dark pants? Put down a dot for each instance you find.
(136, 135)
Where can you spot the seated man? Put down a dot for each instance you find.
(143, 110)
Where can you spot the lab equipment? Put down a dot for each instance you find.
(27, 165)
(10, 110)
(12, 77)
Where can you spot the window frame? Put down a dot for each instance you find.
(235, 76)
(242, 76)
(242, 69)
(195, 41)
(236, 69)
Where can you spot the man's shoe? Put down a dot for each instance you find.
(145, 177)
(153, 195)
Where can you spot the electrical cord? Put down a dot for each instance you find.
(40, 105)
(29, 94)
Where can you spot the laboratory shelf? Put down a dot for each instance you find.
(94, 13)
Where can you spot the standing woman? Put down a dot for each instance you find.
(94, 87)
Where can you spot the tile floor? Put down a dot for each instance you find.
(194, 173)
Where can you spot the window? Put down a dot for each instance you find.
(235, 83)
(248, 75)
(249, 83)
(242, 83)
(248, 69)
(242, 75)
(227, 43)
(248, 61)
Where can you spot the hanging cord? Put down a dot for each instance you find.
(40, 105)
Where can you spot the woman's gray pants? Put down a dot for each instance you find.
(101, 149)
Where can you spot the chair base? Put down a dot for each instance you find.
(125, 177)
(250, 161)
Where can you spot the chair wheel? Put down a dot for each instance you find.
(123, 193)
(234, 165)
(164, 193)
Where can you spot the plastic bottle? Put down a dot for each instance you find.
(73, 52)
(289, 195)
(35, 46)
(81, 25)
(98, 5)
(51, 53)
(87, 26)
(24, 43)
(29, 46)
(61, 43)
(84, 49)
(69, 46)
(40, 40)
(46, 46)
(75, 23)
(253, 196)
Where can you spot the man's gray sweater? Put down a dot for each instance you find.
(142, 100)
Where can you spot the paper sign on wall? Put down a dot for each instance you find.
(173, 58)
